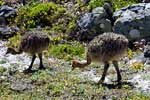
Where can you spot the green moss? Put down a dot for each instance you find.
(39, 13)
(46, 15)
(67, 51)
(1, 3)
(2, 61)
(123, 3)
(137, 66)
(95, 3)
(14, 41)
(137, 96)
(56, 88)
(2, 69)
(130, 53)
(116, 3)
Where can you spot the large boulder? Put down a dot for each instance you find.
(2, 21)
(133, 21)
(93, 24)
(5, 13)
(7, 32)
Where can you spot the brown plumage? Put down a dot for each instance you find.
(105, 48)
(33, 42)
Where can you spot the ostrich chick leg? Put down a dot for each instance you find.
(41, 62)
(30, 67)
(119, 78)
(106, 66)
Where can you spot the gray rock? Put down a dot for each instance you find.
(137, 58)
(146, 1)
(100, 11)
(18, 86)
(93, 24)
(7, 32)
(133, 21)
(147, 62)
(86, 20)
(7, 11)
(144, 57)
(86, 2)
(2, 21)
(21, 85)
(147, 50)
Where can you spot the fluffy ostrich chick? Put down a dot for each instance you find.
(33, 42)
(105, 48)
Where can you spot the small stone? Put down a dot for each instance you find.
(18, 86)
(134, 33)
(21, 85)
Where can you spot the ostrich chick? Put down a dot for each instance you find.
(105, 48)
(34, 42)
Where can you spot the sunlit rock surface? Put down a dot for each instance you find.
(133, 20)
(93, 24)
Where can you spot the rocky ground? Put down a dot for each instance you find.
(58, 81)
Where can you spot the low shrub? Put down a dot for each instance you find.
(137, 66)
(46, 15)
(1, 3)
(116, 3)
(67, 51)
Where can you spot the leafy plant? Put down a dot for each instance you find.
(116, 3)
(67, 51)
(2, 61)
(39, 13)
(130, 53)
(2, 69)
(95, 3)
(137, 96)
(56, 88)
(1, 3)
(14, 41)
(137, 65)
(50, 15)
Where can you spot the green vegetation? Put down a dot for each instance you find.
(67, 51)
(130, 53)
(1, 2)
(58, 82)
(14, 41)
(138, 96)
(116, 3)
(123, 3)
(2, 69)
(137, 66)
(48, 15)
